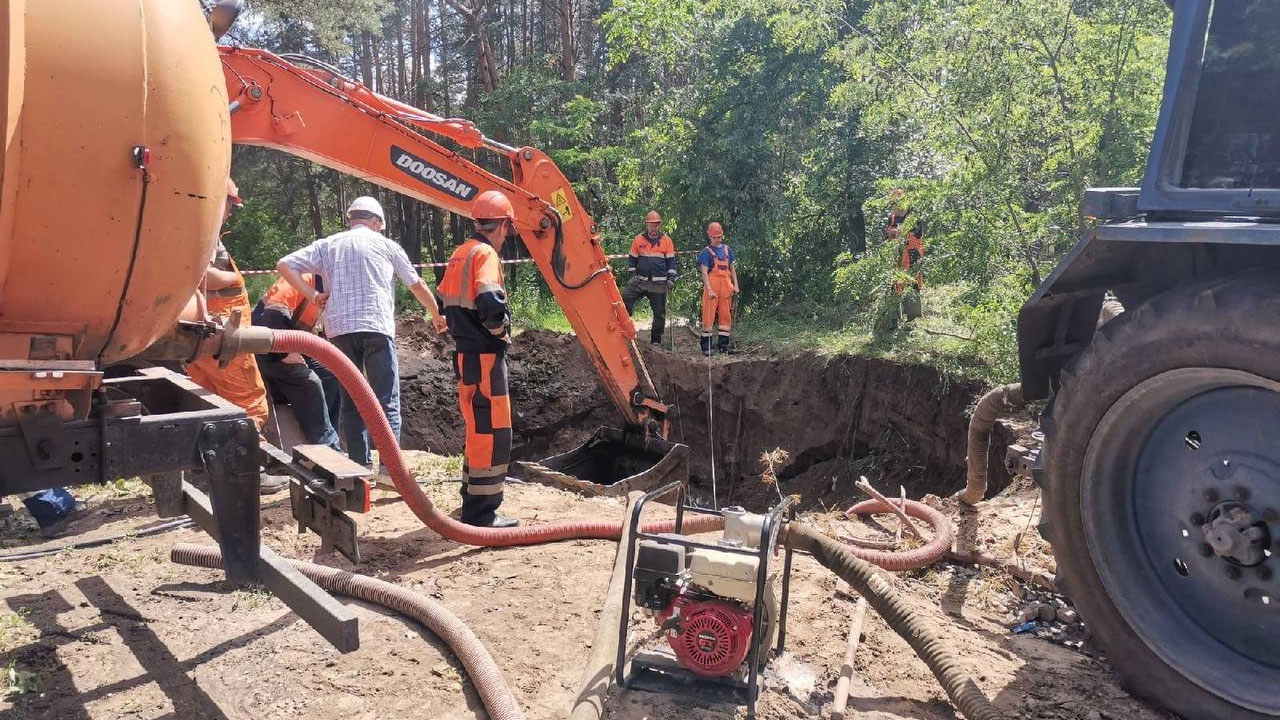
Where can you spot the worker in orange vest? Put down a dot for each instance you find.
(719, 285)
(284, 307)
(475, 306)
(653, 271)
(912, 248)
(225, 292)
(239, 380)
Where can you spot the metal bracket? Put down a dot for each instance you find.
(325, 485)
(42, 431)
(226, 451)
(1018, 460)
(333, 467)
(315, 511)
(167, 489)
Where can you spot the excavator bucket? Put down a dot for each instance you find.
(613, 462)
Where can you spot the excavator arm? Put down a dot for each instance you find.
(303, 107)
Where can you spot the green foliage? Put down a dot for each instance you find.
(326, 24)
(790, 122)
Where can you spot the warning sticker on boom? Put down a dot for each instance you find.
(410, 164)
(560, 199)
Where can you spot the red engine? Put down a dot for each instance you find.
(710, 637)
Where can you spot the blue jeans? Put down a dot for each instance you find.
(332, 392)
(374, 354)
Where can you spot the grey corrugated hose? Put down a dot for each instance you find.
(917, 631)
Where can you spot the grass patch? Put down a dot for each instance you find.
(961, 345)
(15, 629)
(962, 341)
(19, 681)
(250, 598)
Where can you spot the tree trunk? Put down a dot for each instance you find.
(378, 85)
(567, 60)
(445, 87)
(313, 205)
(510, 26)
(486, 64)
(440, 249)
(402, 80)
(366, 59)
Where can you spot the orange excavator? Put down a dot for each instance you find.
(307, 108)
(118, 127)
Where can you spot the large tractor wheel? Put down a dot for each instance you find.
(1161, 481)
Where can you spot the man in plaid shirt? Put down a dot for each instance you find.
(360, 267)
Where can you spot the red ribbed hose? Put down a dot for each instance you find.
(296, 341)
(907, 559)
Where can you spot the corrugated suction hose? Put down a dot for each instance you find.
(483, 671)
(999, 400)
(920, 557)
(296, 341)
(917, 631)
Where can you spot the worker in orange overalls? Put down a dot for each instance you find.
(239, 381)
(719, 285)
(912, 254)
(475, 305)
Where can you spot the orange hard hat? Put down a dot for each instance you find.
(653, 216)
(714, 230)
(493, 205)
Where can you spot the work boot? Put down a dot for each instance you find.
(725, 346)
(498, 522)
(705, 342)
(272, 484)
(384, 481)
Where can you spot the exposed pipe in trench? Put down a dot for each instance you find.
(492, 687)
(328, 355)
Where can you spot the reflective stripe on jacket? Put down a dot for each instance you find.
(653, 259)
(474, 297)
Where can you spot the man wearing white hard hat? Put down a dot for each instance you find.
(360, 267)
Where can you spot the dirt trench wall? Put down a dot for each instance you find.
(840, 417)
(555, 393)
(837, 417)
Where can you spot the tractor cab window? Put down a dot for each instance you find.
(1234, 140)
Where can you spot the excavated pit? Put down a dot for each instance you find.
(836, 417)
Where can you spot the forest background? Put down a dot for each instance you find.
(788, 121)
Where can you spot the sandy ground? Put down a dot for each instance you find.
(119, 632)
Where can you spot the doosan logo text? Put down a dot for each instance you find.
(431, 174)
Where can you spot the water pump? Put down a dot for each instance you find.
(717, 604)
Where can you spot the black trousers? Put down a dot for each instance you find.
(304, 392)
(657, 294)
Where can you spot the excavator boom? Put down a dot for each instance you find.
(306, 108)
